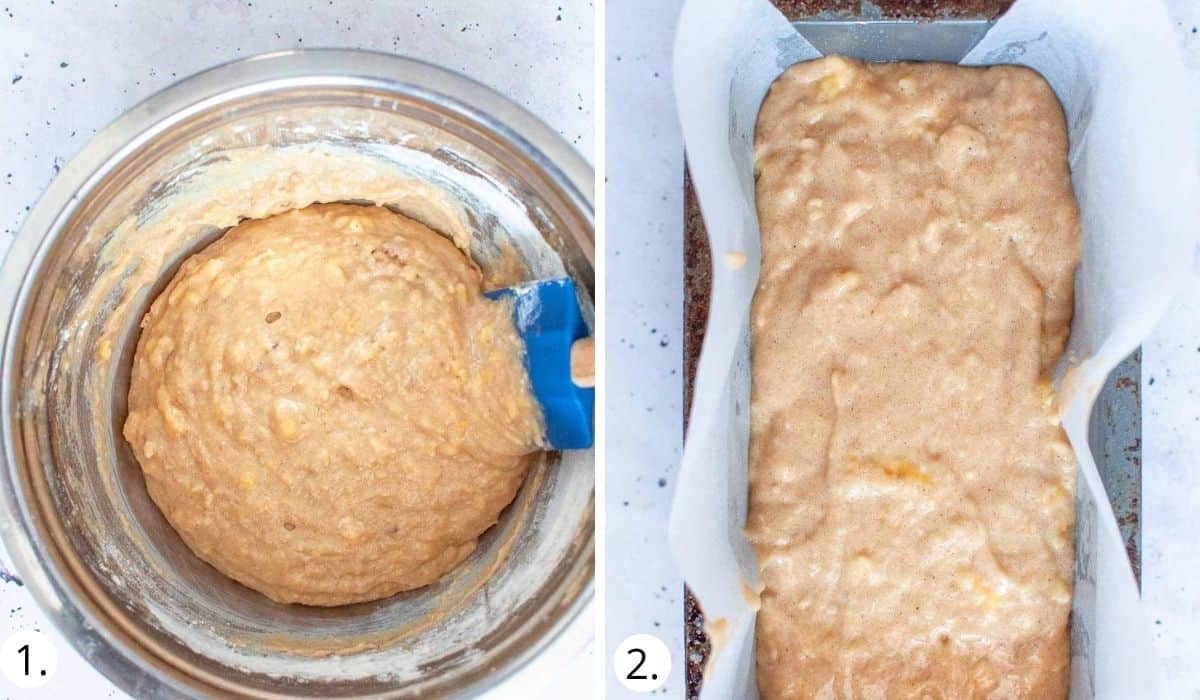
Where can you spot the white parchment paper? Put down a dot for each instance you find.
(1115, 67)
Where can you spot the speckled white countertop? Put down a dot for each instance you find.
(644, 332)
(644, 242)
(69, 67)
(1171, 449)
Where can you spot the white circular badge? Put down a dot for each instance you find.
(28, 659)
(642, 663)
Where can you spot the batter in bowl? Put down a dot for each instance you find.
(911, 490)
(327, 409)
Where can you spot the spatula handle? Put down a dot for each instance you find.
(583, 362)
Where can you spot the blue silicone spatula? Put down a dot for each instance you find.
(560, 358)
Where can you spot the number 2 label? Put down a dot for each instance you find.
(642, 663)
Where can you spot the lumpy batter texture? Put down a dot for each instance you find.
(911, 496)
(327, 409)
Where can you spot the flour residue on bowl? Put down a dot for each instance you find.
(137, 241)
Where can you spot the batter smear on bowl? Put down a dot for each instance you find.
(327, 409)
(911, 490)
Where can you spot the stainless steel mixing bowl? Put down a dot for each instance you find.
(93, 548)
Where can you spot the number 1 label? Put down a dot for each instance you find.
(28, 659)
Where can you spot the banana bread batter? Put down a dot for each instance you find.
(327, 409)
(911, 495)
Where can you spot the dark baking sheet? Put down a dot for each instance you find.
(892, 9)
(1115, 435)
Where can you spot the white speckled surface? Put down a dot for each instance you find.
(1171, 450)
(68, 67)
(643, 241)
(644, 344)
